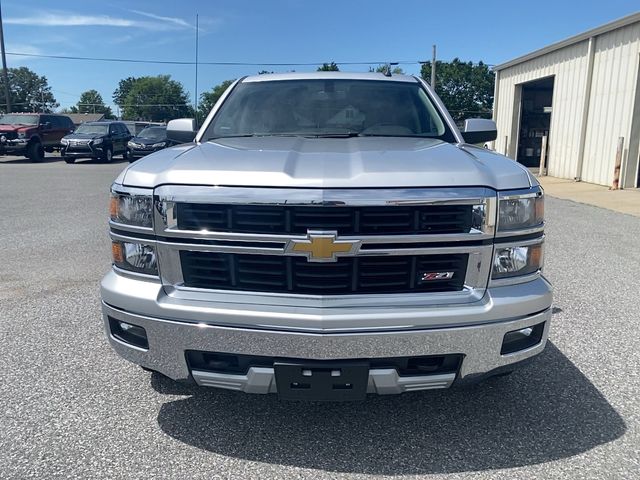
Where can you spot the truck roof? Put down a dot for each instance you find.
(329, 75)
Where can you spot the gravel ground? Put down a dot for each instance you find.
(70, 407)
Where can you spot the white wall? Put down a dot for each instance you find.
(615, 69)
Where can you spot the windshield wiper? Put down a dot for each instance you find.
(334, 135)
(393, 135)
(246, 135)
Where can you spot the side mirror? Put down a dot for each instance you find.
(181, 130)
(479, 130)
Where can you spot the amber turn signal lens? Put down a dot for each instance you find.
(113, 208)
(117, 253)
(535, 255)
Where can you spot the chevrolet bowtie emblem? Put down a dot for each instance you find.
(322, 247)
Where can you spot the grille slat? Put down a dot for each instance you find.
(347, 220)
(349, 275)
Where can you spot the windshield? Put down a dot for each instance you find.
(153, 133)
(331, 107)
(93, 129)
(19, 119)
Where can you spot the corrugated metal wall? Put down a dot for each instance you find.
(610, 106)
(615, 66)
(568, 66)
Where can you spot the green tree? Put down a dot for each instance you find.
(465, 88)
(91, 102)
(383, 68)
(124, 87)
(29, 92)
(157, 99)
(328, 67)
(209, 99)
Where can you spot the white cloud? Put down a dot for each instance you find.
(176, 21)
(61, 20)
(71, 20)
(22, 48)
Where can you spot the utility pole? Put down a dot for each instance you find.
(196, 94)
(433, 69)
(5, 74)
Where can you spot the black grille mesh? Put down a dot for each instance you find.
(349, 275)
(268, 219)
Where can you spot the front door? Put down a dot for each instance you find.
(116, 138)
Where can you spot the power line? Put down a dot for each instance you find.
(179, 62)
(180, 105)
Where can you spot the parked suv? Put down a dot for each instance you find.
(325, 236)
(101, 140)
(149, 140)
(31, 134)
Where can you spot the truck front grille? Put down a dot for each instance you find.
(349, 275)
(9, 135)
(228, 243)
(278, 219)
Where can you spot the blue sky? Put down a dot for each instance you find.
(277, 31)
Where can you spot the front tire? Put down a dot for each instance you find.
(69, 160)
(35, 152)
(107, 156)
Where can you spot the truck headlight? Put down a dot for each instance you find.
(131, 206)
(135, 257)
(521, 210)
(158, 145)
(22, 135)
(511, 261)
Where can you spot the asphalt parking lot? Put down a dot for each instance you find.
(70, 407)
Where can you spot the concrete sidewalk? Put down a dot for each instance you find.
(624, 201)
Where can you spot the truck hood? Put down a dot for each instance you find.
(5, 128)
(359, 162)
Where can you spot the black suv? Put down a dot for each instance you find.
(31, 134)
(101, 140)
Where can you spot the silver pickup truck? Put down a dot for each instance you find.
(324, 236)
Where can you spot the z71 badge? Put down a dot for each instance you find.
(430, 276)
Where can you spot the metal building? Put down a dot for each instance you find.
(583, 94)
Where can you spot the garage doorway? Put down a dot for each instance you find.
(535, 121)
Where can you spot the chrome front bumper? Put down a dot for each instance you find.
(474, 330)
(383, 381)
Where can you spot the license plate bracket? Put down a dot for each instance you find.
(322, 381)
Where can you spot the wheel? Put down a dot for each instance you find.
(69, 159)
(35, 152)
(107, 156)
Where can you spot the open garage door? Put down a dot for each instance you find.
(535, 120)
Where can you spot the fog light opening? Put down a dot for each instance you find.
(129, 333)
(522, 339)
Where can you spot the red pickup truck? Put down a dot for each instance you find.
(31, 134)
